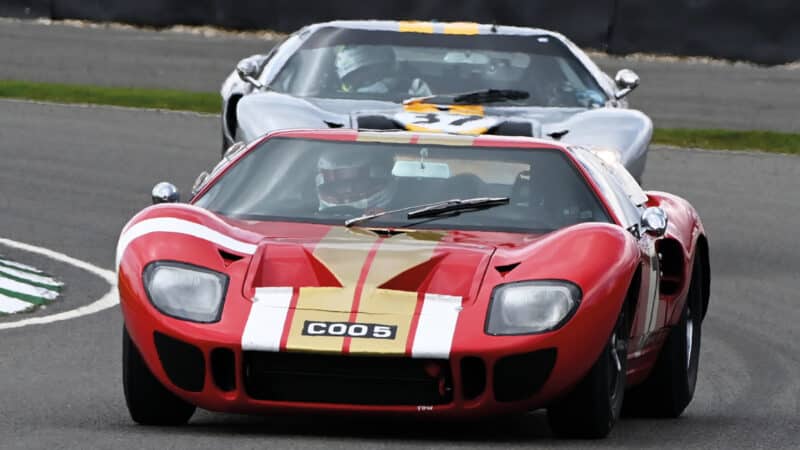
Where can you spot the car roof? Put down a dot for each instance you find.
(435, 27)
(415, 137)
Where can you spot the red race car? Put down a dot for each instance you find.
(411, 273)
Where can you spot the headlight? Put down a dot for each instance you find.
(184, 291)
(531, 307)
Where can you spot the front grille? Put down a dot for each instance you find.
(358, 380)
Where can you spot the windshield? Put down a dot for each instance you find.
(388, 65)
(329, 182)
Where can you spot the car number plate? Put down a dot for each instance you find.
(349, 329)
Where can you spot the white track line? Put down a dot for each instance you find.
(109, 300)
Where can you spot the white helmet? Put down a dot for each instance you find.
(362, 65)
(358, 179)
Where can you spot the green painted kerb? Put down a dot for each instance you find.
(23, 288)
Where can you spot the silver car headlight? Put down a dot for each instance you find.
(184, 291)
(529, 307)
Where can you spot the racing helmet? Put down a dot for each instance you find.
(356, 179)
(363, 65)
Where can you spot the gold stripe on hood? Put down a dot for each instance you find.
(392, 307)
(463, 110)
(330, 304)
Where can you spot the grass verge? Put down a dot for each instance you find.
(208, 102)
(768, 141)
(205, 102)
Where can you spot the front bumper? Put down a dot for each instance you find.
(223, 378)
(204, 364)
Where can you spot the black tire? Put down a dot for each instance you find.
(593, 407)
(149, 403)
(670, 387)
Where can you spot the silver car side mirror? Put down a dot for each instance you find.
(654, 221)
(626, 81)
(249, 69)
(165, 192)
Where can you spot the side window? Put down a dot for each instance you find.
(613, 191)
(629, 210)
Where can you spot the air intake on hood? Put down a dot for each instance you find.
(506, 268)
(228, 258)
(412, 279)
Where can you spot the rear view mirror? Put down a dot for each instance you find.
(420, 169)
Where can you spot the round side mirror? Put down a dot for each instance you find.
(249, 69)
(626, 81)
(165, 192)
(654, 221)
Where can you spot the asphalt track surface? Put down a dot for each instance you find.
(674, 94)
(71, 176)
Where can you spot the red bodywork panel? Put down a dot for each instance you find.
(399, 280)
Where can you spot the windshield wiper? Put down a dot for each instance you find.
(365, 217)
(456, 207)
(472, 97)
(447, 208)
(490, 96)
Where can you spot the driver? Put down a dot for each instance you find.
(371, 69)
(354, 179)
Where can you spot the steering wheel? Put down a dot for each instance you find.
(561, 94)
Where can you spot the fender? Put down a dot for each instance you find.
(627, 131)
(686, 230)
(600, 258)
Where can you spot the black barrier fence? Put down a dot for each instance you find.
(760, 31)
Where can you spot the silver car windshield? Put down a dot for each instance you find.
(386, 65)
(322, 181)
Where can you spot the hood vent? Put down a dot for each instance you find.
(412, 279)
(228, 258)
(506, 268)
(293, 266)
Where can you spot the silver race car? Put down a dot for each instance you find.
(463, 78)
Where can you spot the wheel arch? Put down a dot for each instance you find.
(703, 256)
(230, 120)
(631, 301)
